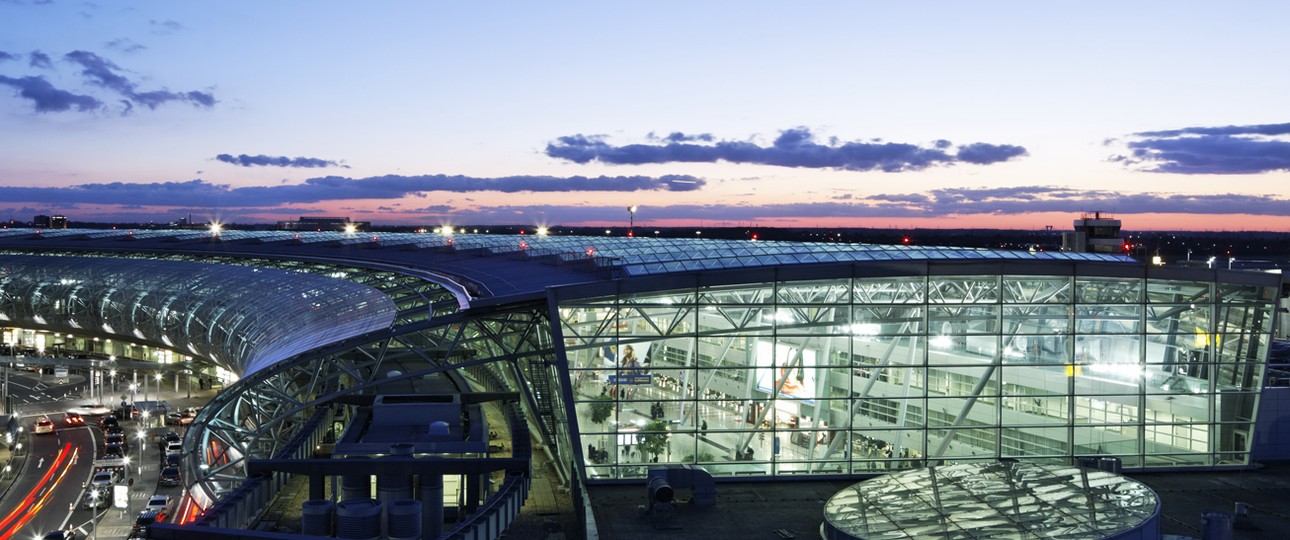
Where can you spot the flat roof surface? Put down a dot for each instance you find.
(756, 510)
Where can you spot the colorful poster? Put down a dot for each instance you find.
(779, 367)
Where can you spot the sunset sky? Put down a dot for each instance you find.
(1167, 115)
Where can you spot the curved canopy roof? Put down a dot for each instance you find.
(492, 265)
(242, 318)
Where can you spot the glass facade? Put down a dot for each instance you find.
(871, 374)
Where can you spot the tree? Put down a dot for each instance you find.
(602, 407)
(653, 438)
(704, 457)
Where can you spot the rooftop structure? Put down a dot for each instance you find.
(751, 360)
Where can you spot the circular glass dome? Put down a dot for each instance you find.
(994, 500)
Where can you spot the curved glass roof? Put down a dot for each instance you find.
(1005, 500)
(242, 318)
(497, 262)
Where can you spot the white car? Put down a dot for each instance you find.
(93, 409)
(103, 480)
(158, 502)
(43, 425)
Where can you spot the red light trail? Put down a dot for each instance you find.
(40, 494)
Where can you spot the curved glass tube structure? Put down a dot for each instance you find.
(241, 318)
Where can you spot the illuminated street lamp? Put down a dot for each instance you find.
(140, 436)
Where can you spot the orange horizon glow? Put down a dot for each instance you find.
(1059, 221)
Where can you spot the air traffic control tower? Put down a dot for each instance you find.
(1093, 234)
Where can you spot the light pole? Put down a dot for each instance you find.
(140, 437)
(94, 521)
(13, 356)
(631, 223)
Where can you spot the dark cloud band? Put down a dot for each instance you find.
(262, 160)
(1250, 149)
(46, 98)
(793, 148)
(331, 188)
(104, 73)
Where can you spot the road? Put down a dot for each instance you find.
(33, 393)
(51, 484)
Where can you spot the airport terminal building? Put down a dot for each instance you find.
(752, 360)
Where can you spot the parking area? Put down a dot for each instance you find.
(148, 441)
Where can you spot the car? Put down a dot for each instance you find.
(174, 448)
(116, 438)
(171, 437)
(96, 498)
(182, 418)
(145, 519)
(113, 451)
(170, 477)
(107, 421)
(159, 503)
(173, 459)
(43, 425)
(73, 418)
(103, 480)
(65, 534)
(114, 429)
(93, 409)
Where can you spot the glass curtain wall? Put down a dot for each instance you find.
(875, 374)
